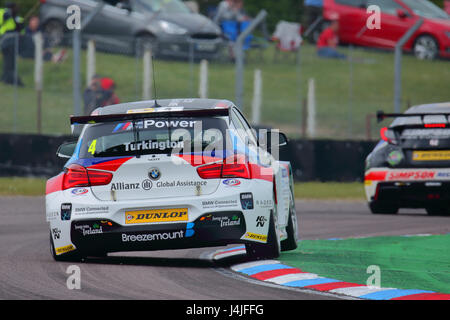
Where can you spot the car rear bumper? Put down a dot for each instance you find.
(413, 194)
(211, 229)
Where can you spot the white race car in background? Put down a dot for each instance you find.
(169, 175)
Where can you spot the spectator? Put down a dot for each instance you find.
(10, 22)
(27, 47)
(328, 41)
(313, 10)
(109, 97)
(230, 10)
(100, 93)
(92, 95)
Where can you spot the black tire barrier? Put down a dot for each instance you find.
(312, 160)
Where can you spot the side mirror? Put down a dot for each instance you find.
(402, 14)
(66, 150)
(272, 139)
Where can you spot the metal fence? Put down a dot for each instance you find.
(294, 86)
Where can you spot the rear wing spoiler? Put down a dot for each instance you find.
(74, 120)
(382, 116)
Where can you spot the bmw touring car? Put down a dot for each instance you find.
(410, 166)
(170, 175)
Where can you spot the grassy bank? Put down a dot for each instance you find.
(309, 190)
(22, 187)
(345, 92)
(329, 191)
(405, 262)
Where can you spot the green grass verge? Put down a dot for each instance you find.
(309, 190)
(329, 191)
(405, 262)
(345, 93)
(22, 186)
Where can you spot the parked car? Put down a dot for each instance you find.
(125, 26)
(410, 167)
(397, 16)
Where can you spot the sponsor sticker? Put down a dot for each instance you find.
(64, 249)
(224, 221)
(208, 204)
(53, 215)
(255, 236)
(164, 236)
(66, 211)
(231, 182)
(158, 215)
(264, 203)
(247, 201)
(411, 175)
(56, 233)
(91, 210)
(431, 155)
(88, 230)
(79, 191)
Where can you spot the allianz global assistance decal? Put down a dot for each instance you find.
(152, 216)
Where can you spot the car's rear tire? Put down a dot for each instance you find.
(292, 229)
(438, 211)
(269, 250)
(67, 257)
(377, 208)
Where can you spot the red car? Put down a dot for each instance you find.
(397, 16)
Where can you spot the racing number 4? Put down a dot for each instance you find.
(92, 147)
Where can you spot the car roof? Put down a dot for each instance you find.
(430, 108)
(165, 104)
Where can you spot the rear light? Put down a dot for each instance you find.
(234, 167)
(388, 135)
(383, 134)
(435, 125)
(77, 176)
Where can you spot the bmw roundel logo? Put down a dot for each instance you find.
(154, 174)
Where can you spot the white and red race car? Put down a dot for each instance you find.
(410, 167)
(169, 175)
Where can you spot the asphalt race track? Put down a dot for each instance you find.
(27, 270)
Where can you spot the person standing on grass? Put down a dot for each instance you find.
(10, 23)
(328, 41)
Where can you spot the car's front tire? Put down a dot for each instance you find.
(269, 250)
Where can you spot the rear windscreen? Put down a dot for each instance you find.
(153, 136)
